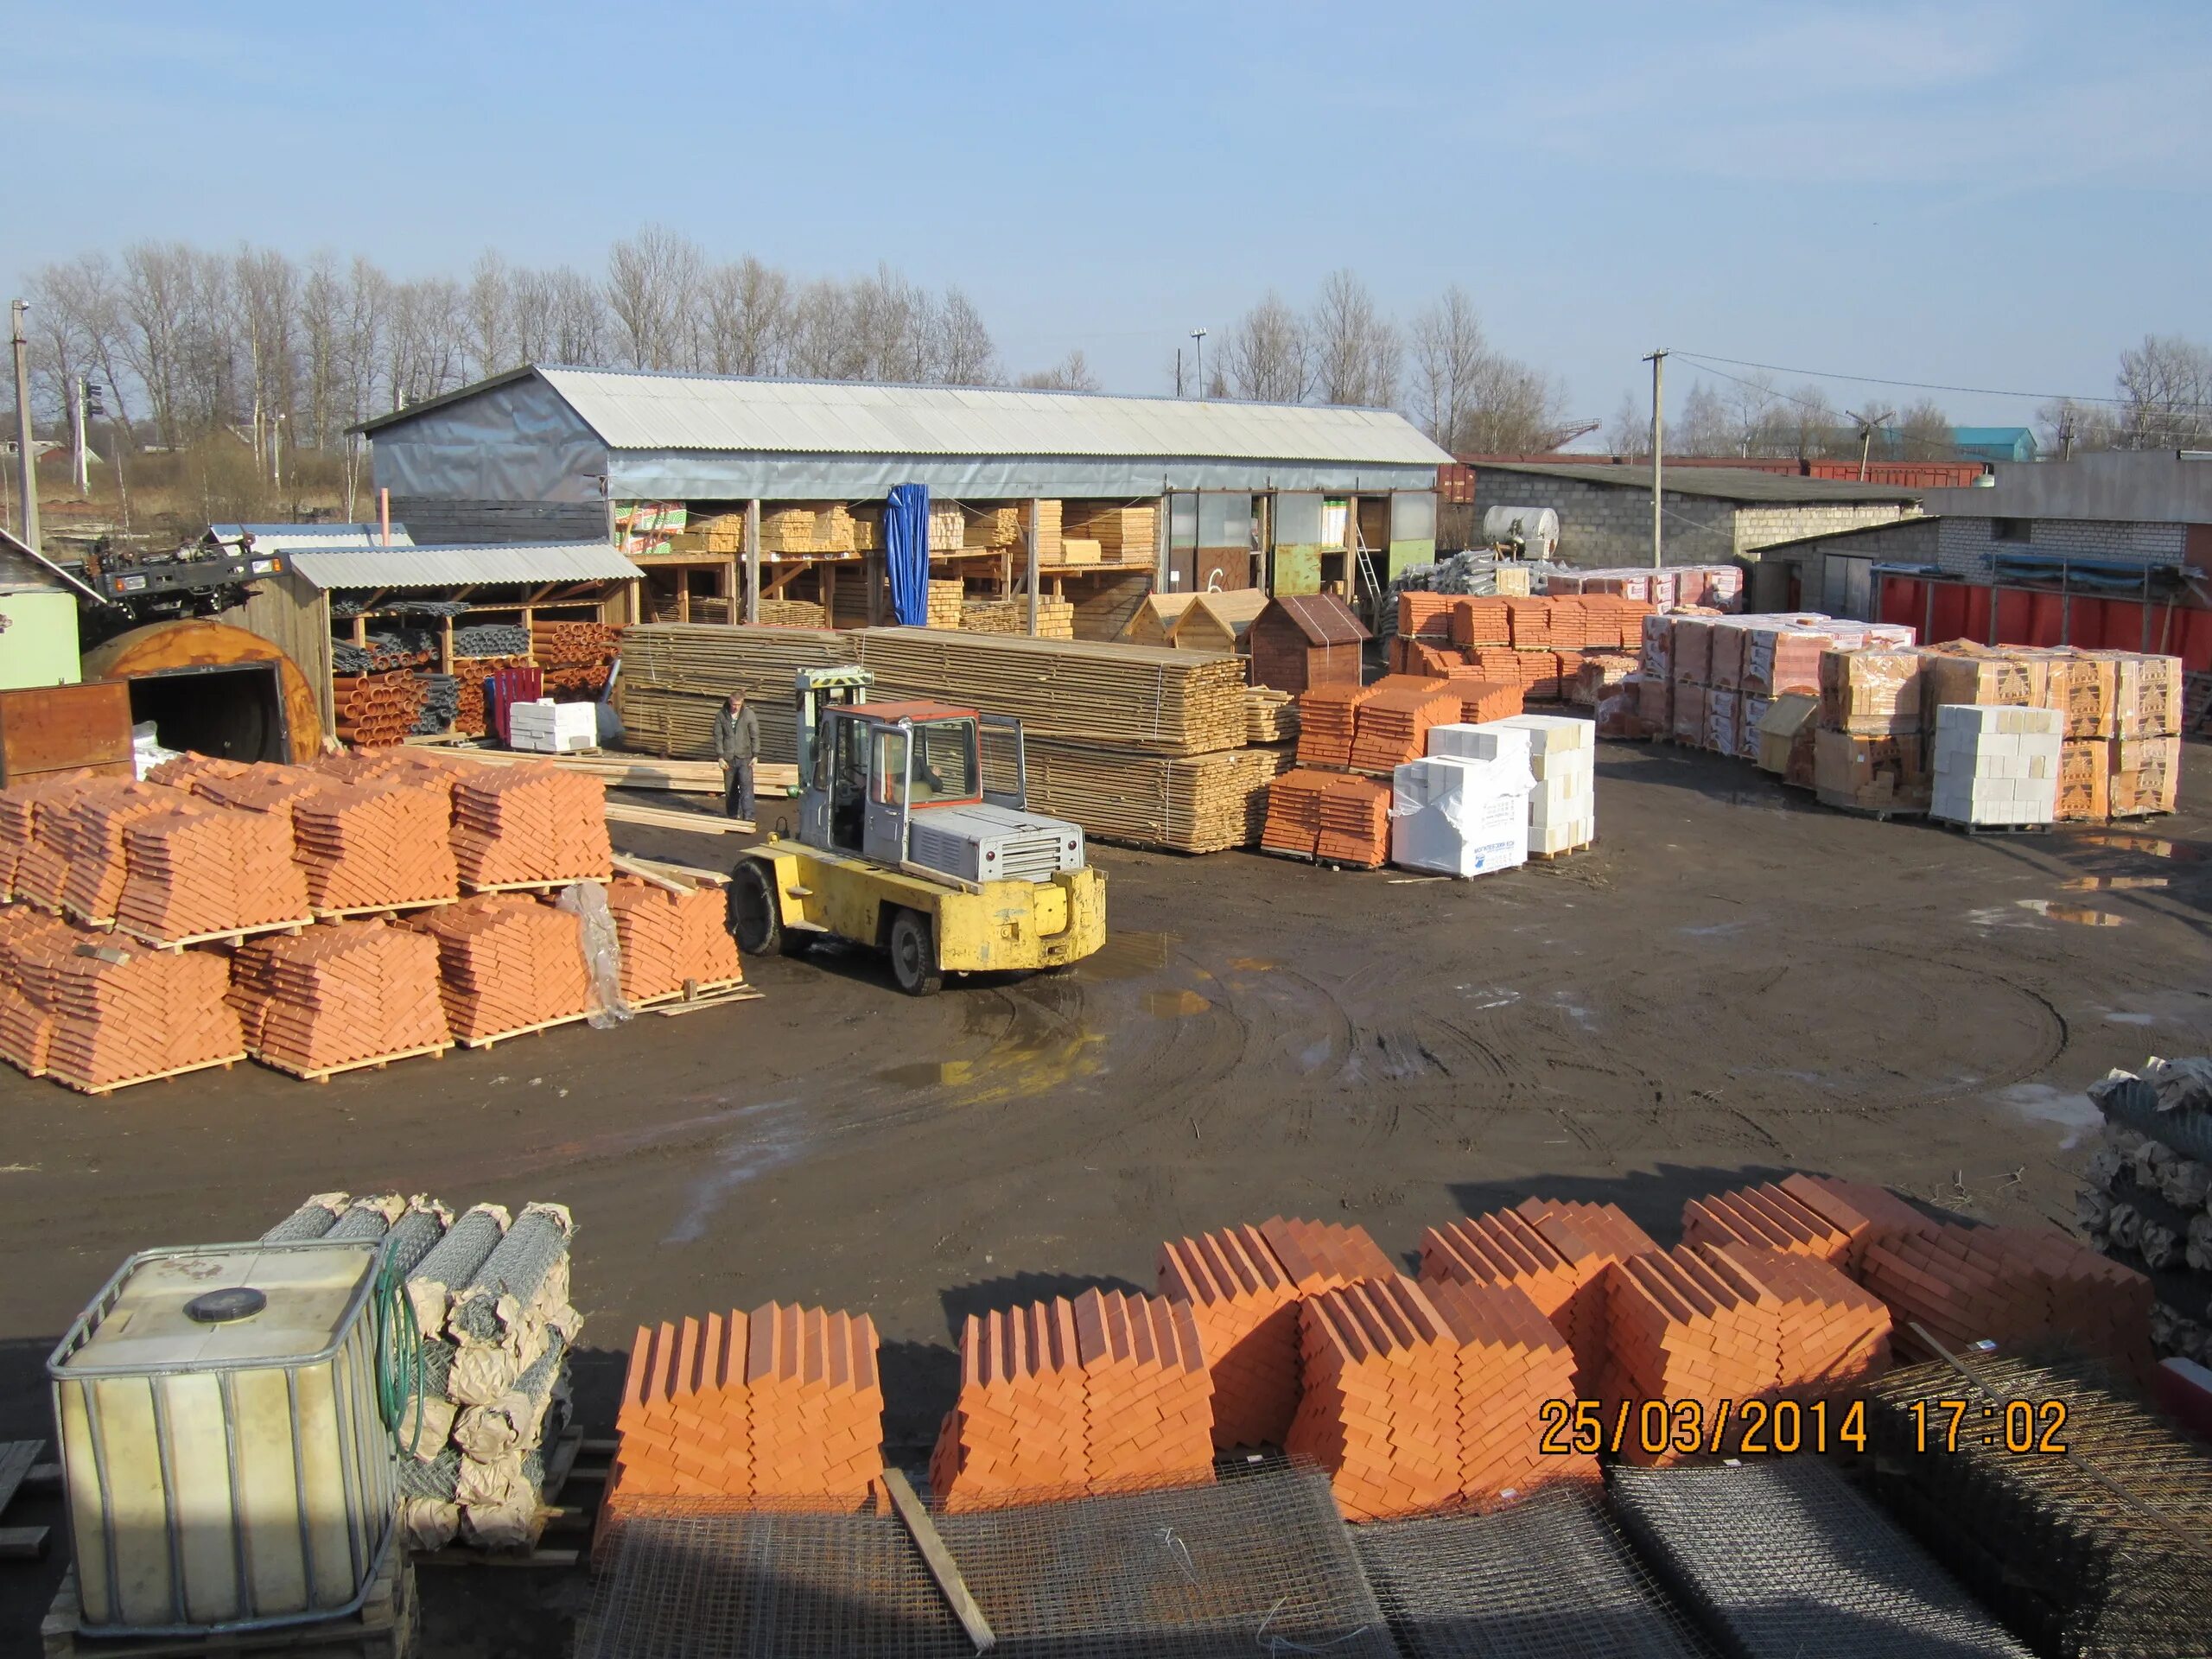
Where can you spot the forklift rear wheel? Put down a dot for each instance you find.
(913, 955)
(756, 915)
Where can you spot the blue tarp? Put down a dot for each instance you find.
(906, 552)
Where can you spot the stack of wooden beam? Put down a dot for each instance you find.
(1270, 717)
(822, 527)
(382, 843)
(947, 526)
(720, 532)
(531, 824)
(337, 996)
(792, 613)
(991, 527)
(944, 603)
(1055, 617)
(1184, 804)
(1123, 534)
(196, 869)
(670, 940)
(675, 677)
(90, 830)
(122, 1012)
(507, 964)
(1046, 529)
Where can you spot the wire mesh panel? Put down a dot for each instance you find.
(1780, 1558)
(1259, 1563)
(1547, 1578)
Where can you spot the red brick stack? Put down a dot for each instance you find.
(1965, 1284)
(338, 995)
(1512, 1359)
(1294, 820)
(261, 788)
(669, 938)
(1831, 1334)
(1481, 701)
(19, 805)
(379, 843)
(424, 767)
(1355, 813)
(1587, 1236)
(198, 869)
(507, 962)
(1687, 1324)
(1328, 719)
(531, 823)
(1104, 1392)
(29, 937)
(1505, 1249)
(122, 1012)
(783, 1403)
(1529, 624)
(1380, 1405)
(184, 771)
(1766, 1217)
(1393, 724)
(43, 871)
(1864, 1213)
(1481, 620)
(1426, 616)
(90, 833)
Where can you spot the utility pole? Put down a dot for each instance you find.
(1658, 362)
(1179, 371)
(2066, 436)
(80, 470)
(26, 455)
(1199, 335)
(1868, 423)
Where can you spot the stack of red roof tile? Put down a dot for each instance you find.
(1766, 1217)
(338, 995)
(1512, 1360)
(19, 805)
(1105, 1392)
(1328, 717)
(1965, 1284)
(29, 937)
(784, 1403)
(1355, 814)
(197, 870)
(1294, 820)
(1380, 1404)
(380, 842)
(531, 823)
(90, 833)
(507, 963)
(122, 1011)
(1393, 724)
(668, 939)
(1481, 621)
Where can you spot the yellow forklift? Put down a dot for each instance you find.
(902, 848)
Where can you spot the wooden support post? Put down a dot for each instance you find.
(726, 586)
(361, 628)
(529, 616)
(826, 591)
(939, 1560)
(1029, 552)
(751, 561)
(683, 593)
(445, 645)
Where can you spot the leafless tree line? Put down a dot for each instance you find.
(1752, 416)
(187, 341)
(1440, 367)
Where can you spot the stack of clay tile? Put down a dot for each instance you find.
(1327, 720)
(122, 1012)
(1355, 815)
(1294, 820)
(29, 937)
(1393, 723)
(90, 830)
(338, 995)
(531, 823)
(185, 771)
(1242, 1286)
(669, 939)
(379, 843)
(507, 963)
(1104, 1393)
(19, 805)
(199, 869)
(1512, 1360)
(43, 869)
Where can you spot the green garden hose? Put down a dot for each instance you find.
(399, 1351)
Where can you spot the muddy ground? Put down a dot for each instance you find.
(1733, 983)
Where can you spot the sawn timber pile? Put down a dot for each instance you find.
(1164, 701)
(676, 675)
(1188, 804)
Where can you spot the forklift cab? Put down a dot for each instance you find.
(874, 764)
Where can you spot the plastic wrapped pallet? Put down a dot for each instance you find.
(1451, 815)
(1871, 691)
(1963, 672)
(2145, 776)
(1996, 766)
(2085, 780)
(1562, 760)
(1871, 774)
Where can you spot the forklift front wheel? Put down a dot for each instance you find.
(913, 955)
(756, 912)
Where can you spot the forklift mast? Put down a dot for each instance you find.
(815, 690)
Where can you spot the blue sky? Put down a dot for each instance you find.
(2000, 195)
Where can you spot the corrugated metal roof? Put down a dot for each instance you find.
(461, 567)
(1721, 483)
(630, 410)
(287, 538)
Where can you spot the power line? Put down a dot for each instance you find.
(1919, 385)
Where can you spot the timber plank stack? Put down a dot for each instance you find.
(991, 528)
(199, 869)
(792, 613)
(507, 962)
(676, 676)
(1270, 717)
(375, 843)
(339, 995)
(946, 599)
(1055, 617)
(822, 527)
(668, 939)
(1046, 531)
(531, 824)
(1190, 803)
(1123, 534)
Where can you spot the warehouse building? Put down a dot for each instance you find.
(1713, 514)
(762, 499)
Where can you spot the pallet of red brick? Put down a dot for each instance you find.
(122, 1012)
(1355, 819)
(1327, 722)
(89, 832)
(29, 936)
(1426, 616)
(1393, 723)
(197, 870)
(1379, 1402)
(669, 939)
(339, 995)
(1512, 1360)
(2012, 1285)
(1293, 823)
(381, 842)
(261, 787)
(528, 824)
(19, 806)
(507, 962)
(1771, 1217)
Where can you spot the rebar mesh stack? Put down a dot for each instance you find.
(1780, 1558)
(1549, 1578)
(2103, 1548)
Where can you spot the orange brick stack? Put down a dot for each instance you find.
(1482, 700)
(380, 842)
(1687, 1324)
(43, 871)
(338, 995)
(1482, 622)
(1505, 1249)
(531, 823)
(1766, 1218)
(89, 830)
(1831, 1334)
(425, 768)
(19, 805)
(197, 870)
(1427, 616)
(1380, 1404)
(1393, 724)
(1512, 1359)
(1419, 656)
(1355, 814)
(185, 771)
(1528, 623)
(669, 938)
(1862, 1212)
(1588, 1237)
(784, 1403)
(1294, 820)
(261, 788)
(124, 1012)
(1148, 1405)
(507, 963)
(1328, 717)
(1965, 1284)
(29, 937)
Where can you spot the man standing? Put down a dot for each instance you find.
(737, 741)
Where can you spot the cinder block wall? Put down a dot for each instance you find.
(1610, 525)
(1963, 546)
(1758, 527)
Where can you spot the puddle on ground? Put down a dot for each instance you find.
(927, 1074)
(2149, 846)
(2080, 915)
(1252, 964)
(2131, 1018)
(2075, 1113)
(1129, 954)
(1175, 1005)
(2112, 883)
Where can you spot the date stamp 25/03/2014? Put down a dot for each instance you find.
(1760, 1427)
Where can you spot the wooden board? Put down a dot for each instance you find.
(221, 935)
(1197, 803)
(55, 727)
(97, 1089)
(523, 1031)
(325, 1074)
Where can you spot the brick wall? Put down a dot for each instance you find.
(1604, 525)
(1963, 546)
(1762, 526)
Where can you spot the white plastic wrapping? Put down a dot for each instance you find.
(587, 901)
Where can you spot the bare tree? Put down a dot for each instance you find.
(264, 300)
(489, 304)
(962, 353)
(1704, 426)
(653, 283)
(746, 317)
(2166, 391)
(154, 298)
(1628, 433)
(1452, 365)
(2066, 428)
(1923, 432)
(1808, 424)
(577, 313)
(819, 334)
(1265, 357)
(1071, 373)
(1357, 353)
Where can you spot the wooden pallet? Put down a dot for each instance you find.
(223, 935)
(676, 1003)
(1564, 852)
(20, 1470)
(573, 1461)
(226, 1063)
(693, 991)
(389, 1625)
(523, 1031)
(350, 913)
(324, 1074)
(472, 888)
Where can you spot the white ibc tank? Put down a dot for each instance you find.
(1536, 528)
(225, 1458)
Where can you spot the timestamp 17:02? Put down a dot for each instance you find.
(2023, 1426)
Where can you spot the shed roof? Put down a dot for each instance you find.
(633, 410)
(1719, 483)
(1324, 619)
(464, 567)
(293, 538)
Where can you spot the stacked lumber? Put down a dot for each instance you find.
(1270, 717)
(2012, 1286)
(671, 940)
(813, 527)
(792, 613)
(1184, 804)
(947, 526)
(1055, 617)
(31, 942)
(675, 677)
(89, 832)
(1046, 529)
(1394, 721)
(385, 842)
(1079, 550)
(530, 824)
(196, 869)
(1167, 702)
(784, 1403)
(122, 1012)
(1123, 534)
(1511, 1361)
(506, 964)
(991, 528)
(566, 644)
(337, 996)
(376, 707)
(1328, 721)
(720, 532)
(1354, 822)
(944, 602)
(1292, 821)
(1106, 1392)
